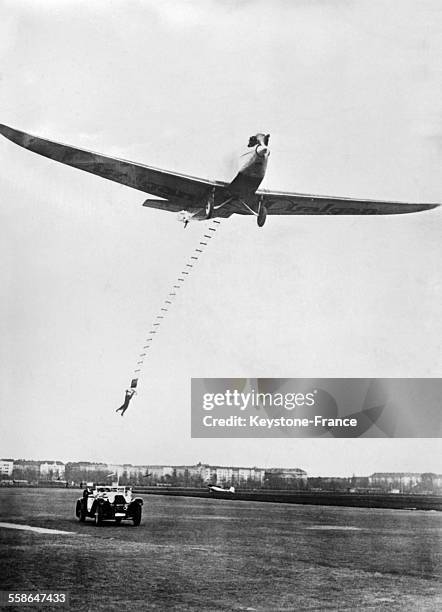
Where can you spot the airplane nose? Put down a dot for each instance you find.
(262, 151)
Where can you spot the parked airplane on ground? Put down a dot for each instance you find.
(216, 490)
(199, 199)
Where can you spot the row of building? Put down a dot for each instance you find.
(405, 480)
(204, 473)
(44, 469)
(197, 474)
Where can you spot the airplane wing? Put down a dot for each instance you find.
(161, 183)
(283, 203)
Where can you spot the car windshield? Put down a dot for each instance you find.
(117, 489)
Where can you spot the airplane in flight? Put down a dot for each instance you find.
(199, 199)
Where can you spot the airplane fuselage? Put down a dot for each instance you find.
(253, 168)
(242, 189)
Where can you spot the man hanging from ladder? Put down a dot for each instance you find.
(129, 395)
(186, 217)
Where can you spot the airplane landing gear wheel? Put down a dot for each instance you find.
(209, 208)
(262, 216)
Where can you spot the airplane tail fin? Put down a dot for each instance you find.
(232, 489)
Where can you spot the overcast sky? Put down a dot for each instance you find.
(351, 95)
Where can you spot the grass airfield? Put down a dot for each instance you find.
(209, 554)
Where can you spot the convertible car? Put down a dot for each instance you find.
(109, 503)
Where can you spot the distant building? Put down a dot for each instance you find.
(23, 464)
(132, 471)
(285, 474)
(395, 480)
(249, 474)
(113, 468)
(224, 475)
(26, 470)
(79, 471)
(52, 470)
(158, 472)
(430, 483)
(88, 466)
(6, 468)
(435, 479)
(205, 472)
(232, 475)
(175, 475)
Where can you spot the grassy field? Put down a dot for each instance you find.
(208, 554)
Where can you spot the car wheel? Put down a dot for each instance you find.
(136, 515)
(98, 515)
(79, 512)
